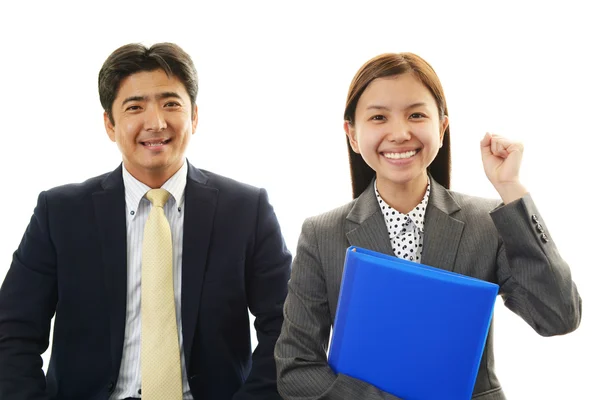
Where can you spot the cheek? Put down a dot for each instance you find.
(369, 144)
(369, 138)
(428, 135)
(182, 126)
(131, 129)
(127, 132)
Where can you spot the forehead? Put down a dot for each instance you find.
(397, 89)
(148, 83)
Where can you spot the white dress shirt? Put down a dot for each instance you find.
(138, 208)
(406, 231)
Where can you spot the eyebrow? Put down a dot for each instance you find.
(378, 107)
(159, 96)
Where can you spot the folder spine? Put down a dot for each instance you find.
(340, 317)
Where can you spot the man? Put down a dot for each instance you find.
(93, 255)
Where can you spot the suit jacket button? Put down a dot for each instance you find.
(544, 238)
(534, 218)
(539, 228)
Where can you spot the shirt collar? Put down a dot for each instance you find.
(394, 218)
(136, 190)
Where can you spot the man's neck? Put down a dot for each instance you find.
(154, 179)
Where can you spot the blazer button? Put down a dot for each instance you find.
(544, 238)
(534, 218)
(539, 228)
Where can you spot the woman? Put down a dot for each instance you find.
(397, 127)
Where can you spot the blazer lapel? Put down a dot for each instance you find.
(442, 232)
(365, 225)
(109, 205)
(200, 209)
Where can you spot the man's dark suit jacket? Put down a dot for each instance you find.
(72, 261)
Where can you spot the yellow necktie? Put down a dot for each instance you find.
(161, 363)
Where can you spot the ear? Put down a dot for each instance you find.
(443, 126)
(351, 133)
(194, 118)
(110, 128)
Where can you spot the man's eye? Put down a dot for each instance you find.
(172, 104)
(133, 108)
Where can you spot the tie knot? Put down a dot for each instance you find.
(158, 197)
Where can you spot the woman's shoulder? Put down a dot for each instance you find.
(474, 205)
(331, 220)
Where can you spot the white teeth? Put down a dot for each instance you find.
(397, 156)
(154, 144)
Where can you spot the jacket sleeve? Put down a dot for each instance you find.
(28, 299)
(302, 369)
(267, 274)
(535, 282)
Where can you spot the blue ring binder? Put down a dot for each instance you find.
(412, 330)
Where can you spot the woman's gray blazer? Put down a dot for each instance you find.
(505, 244)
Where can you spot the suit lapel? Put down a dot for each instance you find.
(442, 232)
(109, 205)
(200, 209)
(365, 226)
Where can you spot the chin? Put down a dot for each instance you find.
(404, 178)
(155, 166)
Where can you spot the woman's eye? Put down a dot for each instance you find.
(378, 118)
(417, 115)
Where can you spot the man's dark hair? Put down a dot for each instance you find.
(133, 58)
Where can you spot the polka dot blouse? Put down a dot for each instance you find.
(405, 230)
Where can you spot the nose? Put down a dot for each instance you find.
(154, 119)
(399, 131)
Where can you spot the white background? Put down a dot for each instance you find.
(273, 81)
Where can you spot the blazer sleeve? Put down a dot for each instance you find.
(302, 369)
(535, 282)
(267, 274)
(28, 299)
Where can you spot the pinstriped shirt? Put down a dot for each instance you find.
(138, 208)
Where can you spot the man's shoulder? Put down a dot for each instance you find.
(224, 184)
(77, 190)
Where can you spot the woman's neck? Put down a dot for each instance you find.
(403, 196)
